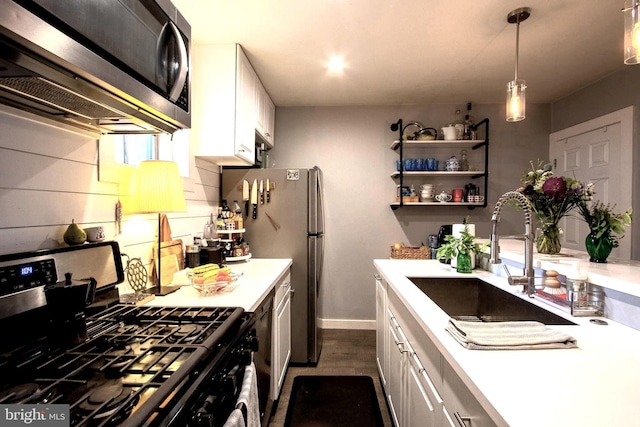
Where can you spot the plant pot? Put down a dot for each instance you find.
(454, 261)
(548, 240)
(598, 248)
(463, 263)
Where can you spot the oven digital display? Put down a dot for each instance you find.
(26, 270)
(20, 277)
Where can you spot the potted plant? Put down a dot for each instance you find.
(606, 228)
(463, 248)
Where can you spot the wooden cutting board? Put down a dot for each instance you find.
(172, 259)
(169, 268)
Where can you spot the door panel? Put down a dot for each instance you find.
(596, 152)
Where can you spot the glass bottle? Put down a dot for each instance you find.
(469, 125)
(459, 125)
(238, 216)
(464, 162)
(219, 219)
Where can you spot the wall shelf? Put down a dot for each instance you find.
(403, 177)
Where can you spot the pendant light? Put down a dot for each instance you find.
(516, 106)
(631, 12)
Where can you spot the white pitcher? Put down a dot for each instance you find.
(449, 133)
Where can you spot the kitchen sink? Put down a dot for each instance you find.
(473, 299)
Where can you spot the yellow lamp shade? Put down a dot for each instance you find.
(159, 188)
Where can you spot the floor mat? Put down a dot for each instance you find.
(333, 401)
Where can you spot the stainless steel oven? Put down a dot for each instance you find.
(137, 365)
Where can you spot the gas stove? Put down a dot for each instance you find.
(134, 368)
(152, 366)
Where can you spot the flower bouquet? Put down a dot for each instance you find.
(606, 228)
(551, 197)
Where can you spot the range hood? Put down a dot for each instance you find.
(50, 73)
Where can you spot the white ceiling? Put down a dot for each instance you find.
(414, 51)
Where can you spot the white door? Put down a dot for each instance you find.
(597, 151)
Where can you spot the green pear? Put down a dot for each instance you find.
(74, 234)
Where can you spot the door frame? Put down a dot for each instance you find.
(625, 116)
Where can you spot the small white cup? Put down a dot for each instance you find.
(95, 234)
(426, 195)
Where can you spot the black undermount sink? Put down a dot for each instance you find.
(473, 299)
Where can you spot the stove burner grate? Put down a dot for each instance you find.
(26, 393)
(105, 400)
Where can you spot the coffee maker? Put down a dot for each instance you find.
(66, 302)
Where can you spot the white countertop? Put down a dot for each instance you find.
(616, 274)
(259, 276)
(595, 384)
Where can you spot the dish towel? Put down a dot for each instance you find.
(236, 419)
(525, 335)
(249, 396)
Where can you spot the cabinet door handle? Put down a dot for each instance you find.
(377, 276)
(401, 347)
(462, 421)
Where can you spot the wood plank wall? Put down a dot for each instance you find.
(49, 176)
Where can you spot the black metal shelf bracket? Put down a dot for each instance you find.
(397, 127)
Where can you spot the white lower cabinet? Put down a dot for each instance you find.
(382, 349)
(281, 334)
(412, 396)
(421, 387)
(462, 409)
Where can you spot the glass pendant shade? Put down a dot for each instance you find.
(631, 32)
(516, 105)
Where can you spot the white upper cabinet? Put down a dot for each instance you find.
(266, 115)
(224, 103)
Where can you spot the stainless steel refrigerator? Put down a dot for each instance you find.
(289, 223)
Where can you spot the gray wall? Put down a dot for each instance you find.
(610, 94)
(352, 147)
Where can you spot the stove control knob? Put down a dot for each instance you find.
(253, 344)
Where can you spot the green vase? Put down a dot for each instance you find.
(598, 248)
(548, 240)
(463, 263)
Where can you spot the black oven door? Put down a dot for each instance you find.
(139, 35)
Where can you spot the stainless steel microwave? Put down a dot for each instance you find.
(112, 66)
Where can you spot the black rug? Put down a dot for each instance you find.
(333, 401)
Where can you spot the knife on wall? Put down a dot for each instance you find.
(245, 196)
(254, 198)
(261, 192)
(268, 190)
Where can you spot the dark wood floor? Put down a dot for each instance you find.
(344, 352)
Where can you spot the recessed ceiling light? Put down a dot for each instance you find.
(335, 64)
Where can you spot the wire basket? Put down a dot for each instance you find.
(410, 252)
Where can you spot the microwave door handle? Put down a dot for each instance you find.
(176, 89)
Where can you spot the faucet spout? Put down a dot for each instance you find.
(527, 279)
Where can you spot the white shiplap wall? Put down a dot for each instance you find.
(49, 176)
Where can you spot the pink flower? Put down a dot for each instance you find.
(555, 187)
